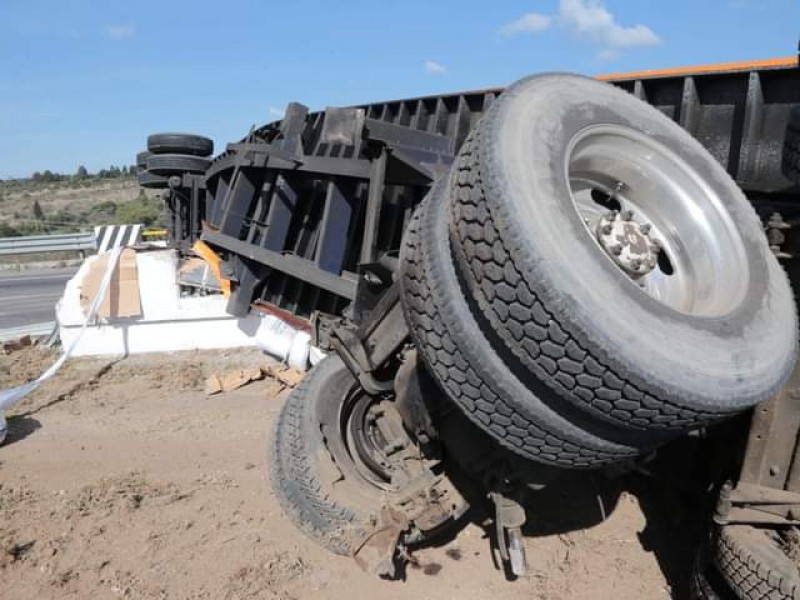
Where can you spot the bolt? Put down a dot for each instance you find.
(613, 215)
(774, 470)
(616, 249)
(635, 264)
(606, 229)
(645, 229)
(627, 215)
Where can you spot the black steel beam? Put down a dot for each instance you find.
(344, 285)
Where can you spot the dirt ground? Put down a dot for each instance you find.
(122, 479)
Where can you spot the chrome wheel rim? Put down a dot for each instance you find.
(701, 266)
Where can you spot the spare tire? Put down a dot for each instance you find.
(180, 143)
(176, 164)
(706, 329)
(141, 159)
(151, 181)
(448, 335)
(706, 582)
(754, 564)
(790, 159)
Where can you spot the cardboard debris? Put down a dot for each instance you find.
(122, 299)
(236, 378)
(286, 375)
(213, 385)
(232, 380)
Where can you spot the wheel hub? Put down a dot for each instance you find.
(628, 242)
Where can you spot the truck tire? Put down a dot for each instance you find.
(150, 181)
(473, 376)
(180, 143)
(790, 159)
(313, 470)
(755, 566)
(176, 164)
(141, 159)
(706, 582)
(553, 155)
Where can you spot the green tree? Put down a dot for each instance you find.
(81, 173)
(38, 213)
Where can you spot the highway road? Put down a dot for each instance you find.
(30, 296)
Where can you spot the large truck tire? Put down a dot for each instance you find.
(176, 164)
(180, 143)
(323, 486)
(449, 338)
(706, 582)
(547, 248)
(141, 158)
(150, 181)
(754, 564)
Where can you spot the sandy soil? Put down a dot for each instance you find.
(122, 479)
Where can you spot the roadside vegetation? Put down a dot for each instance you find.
(48, 202)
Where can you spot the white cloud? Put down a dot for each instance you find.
(120, 32)
(527, 23)
(434, 67)
(591, 20)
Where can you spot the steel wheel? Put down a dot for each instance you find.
(656, 219)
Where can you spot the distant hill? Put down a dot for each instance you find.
(53, 203)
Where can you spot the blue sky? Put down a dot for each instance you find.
(84, 82)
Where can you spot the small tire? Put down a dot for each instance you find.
(450, 341)
(754, 565)
(176, 164)
(706, 582)
(562, 311)
(790, 159)
(180, 143)
(312, 471)
(151, 181)
(141, 159)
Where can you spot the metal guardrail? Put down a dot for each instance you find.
(35, 330)
(33, 244)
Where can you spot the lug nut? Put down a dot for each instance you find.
(606, 229)
(613, 215)
(627, 215)
(635, 264)
(645, 229)
(616, 249)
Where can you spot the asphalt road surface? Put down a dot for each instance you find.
(28, 297)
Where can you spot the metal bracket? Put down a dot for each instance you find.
(757, 505)
(509, 519)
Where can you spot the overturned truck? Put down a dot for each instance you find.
(564, 274)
